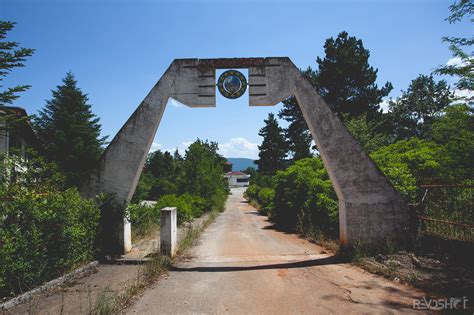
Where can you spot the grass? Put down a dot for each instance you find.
(140, 231)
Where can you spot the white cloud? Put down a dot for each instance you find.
(465, 94)
(174, 103)
(384, 105)
(181, 148)
(155, 146)
(235, 147)
(239, 147)
(456, 62)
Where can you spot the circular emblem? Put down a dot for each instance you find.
(232, 84)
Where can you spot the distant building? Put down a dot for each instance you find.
(237, 179)
(15, 131)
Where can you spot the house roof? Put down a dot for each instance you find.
(235, 173)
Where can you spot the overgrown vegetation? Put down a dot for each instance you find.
(193, 183)
(45, 230)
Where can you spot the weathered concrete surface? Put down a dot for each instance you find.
(243, 266)
(370, 209)
(168, 231)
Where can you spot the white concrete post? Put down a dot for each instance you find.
(168, 231)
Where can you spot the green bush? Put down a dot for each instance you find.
(408, 163)
(252, 192)
(265, 199)
(304, 198)
(44, 236)
(188, 207)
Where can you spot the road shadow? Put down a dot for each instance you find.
(288, 265)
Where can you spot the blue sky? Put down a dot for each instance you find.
(119, 49)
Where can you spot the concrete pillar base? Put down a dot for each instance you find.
(127, 236)
(168, 231)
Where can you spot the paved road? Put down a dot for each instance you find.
(243, 266)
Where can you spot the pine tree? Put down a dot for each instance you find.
(69, 131)
(297, 134)
(345, 79)
(273, 150)
(464, 67)
(413, 113)
(11, 57)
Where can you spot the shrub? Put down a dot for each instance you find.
(252, 192)
(202, 173)
(407, 163)
(44, 230)
(43, 236)
(188, 206)
(265, 199)
(304, 198)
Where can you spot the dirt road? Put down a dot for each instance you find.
(241, 265)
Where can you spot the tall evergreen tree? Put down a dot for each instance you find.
(345, 79)
(413, 113)
(273, 150)
(297, 134)
(463, 69)
(11, 57)
(69, 131)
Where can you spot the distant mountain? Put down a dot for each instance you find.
(240, 164)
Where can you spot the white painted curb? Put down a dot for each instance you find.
(47, 286)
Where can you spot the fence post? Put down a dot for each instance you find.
(168, 231)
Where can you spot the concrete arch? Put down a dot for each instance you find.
(370, 209)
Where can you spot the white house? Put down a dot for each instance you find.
(237, 179)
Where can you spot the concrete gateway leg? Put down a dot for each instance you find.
(371, 210)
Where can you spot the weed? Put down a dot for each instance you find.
(105, 303)
(413, 278)
(33, 305)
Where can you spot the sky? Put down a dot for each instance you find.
(119, 49)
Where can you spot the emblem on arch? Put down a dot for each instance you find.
(232, 84)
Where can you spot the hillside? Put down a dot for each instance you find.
(240, 164)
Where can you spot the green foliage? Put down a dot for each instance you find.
(297, 134)
(159, 177)
(44, 231)
(146, 218)
(265, 199)
(464, 68)
(202, 173)
(112, 214)
(193, 184)
(69, 131)
(407, 163)
(188, 206)
(412, 114)
(251, 193)
(367, 132)
(263, 196)
(161, 164)
(273, 150)
(304, 198)
(454, 130)
(11, 56)
(345, 79)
